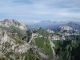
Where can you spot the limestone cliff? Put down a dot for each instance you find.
(11, 47)
(13, 22)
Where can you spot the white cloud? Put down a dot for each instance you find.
(39, 9)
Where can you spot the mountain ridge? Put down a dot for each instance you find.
(13, 22)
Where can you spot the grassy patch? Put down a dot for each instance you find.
(32, 55)
(2, 58)
(43, 32)
(45, 44)
(56, 43)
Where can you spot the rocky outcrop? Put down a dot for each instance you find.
(65, 27)
(13, 22)
(11, 48)
(56, 37)
(50, 31)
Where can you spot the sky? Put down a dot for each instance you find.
(38, 10)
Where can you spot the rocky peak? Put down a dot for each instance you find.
(12, 22)
(65, 27)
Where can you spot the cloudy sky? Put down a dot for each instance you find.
(36, 10)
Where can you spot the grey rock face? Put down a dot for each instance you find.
(9, 22)
(7, 45)
(65, 27)
(56, 37)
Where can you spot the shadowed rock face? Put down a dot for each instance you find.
(9, 22)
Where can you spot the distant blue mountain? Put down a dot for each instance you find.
(47, 24)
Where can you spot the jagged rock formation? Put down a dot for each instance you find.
(11, 47)
(65, 27)
(8, 23)
(56, 37)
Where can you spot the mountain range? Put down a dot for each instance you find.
(53, 25)
(45, 40)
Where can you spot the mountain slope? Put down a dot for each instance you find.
(74, 25)
(68, 50)
(12, 47)
(43, 32)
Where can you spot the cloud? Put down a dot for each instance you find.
(31, 10)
